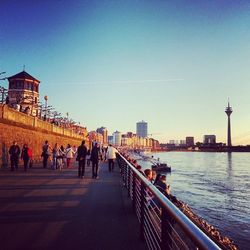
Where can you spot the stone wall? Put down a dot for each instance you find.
(23, 128)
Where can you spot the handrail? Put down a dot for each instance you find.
(198, 237)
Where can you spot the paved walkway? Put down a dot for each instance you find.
(45, 209)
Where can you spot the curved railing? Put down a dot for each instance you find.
(162, 224)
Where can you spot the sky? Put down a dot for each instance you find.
(173, 64)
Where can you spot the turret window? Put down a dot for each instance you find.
(19, 85)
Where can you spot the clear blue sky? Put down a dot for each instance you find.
(112, 63)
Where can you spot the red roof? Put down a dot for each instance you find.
(23, 75)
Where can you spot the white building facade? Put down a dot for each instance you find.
(117, 138)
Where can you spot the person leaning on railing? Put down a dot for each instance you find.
(148, 174)
(162, 185)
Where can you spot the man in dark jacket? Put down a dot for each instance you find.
(95, 154)
(14, 152)
(81, 157)
(45, 153)
(25, 155)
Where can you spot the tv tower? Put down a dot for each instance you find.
(228, 111)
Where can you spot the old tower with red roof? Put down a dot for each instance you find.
(23, 92)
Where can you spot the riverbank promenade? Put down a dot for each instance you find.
(44, 209)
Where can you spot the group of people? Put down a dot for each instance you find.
(26, 155)
(158, 180)
(64, 157)
(82, 154)
(96, 155)
(60, 156)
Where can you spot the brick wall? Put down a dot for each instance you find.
(22, 128)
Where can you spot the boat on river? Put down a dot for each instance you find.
(156, 164)
(161, 167)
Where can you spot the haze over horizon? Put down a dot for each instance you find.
(114, 63)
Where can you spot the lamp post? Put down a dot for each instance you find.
(79, 125)
(67, 114)
(3, 90)
(46, 98)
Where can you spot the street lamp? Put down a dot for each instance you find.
(46, 98)
(3, 90)
(67, 114)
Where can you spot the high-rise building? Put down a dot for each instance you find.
(104, 132)
(117, 138)
(190, 141)
(142, 129)
(209, 139)
(229, 111)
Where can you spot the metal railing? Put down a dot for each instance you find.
(162, 224)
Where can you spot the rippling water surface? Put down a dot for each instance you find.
(216, 186)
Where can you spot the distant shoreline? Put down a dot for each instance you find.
(203, 151)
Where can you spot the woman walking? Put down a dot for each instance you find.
(55, 154)
(60, 158)
(69, 152)
(25, 156)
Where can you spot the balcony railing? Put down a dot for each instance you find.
(162, 224)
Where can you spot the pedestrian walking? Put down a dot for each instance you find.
(61, 157)
(25, 156)
(111, 156)
(95, 156)
(30, 154)
(88, 157)
(55, 154)
(45, 153)
(69, 153)
(81, 157)
(14, 153)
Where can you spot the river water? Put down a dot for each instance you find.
(216, 186)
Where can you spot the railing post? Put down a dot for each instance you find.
(129, 180)
(134, 191)
(142, 212)
(123, 172)
(126, 174)
(166, 230)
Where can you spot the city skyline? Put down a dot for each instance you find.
(113, 63)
